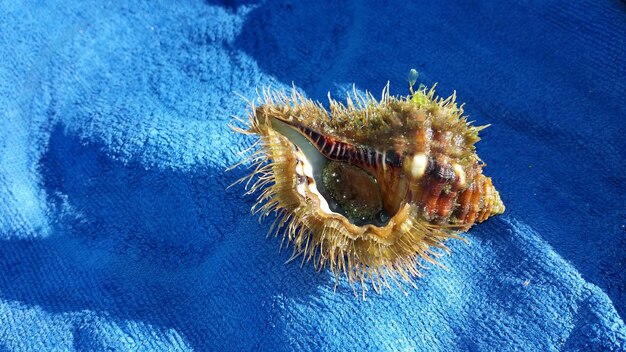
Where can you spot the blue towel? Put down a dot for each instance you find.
(118, 233)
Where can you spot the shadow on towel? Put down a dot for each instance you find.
(168, 248)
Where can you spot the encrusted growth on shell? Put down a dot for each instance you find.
(369, 189)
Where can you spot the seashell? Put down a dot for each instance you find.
(368, 188)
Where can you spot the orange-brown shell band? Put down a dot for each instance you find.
(475, 202)
(440, 189)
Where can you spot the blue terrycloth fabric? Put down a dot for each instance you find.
(117, 232)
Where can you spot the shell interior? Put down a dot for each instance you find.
(342, 188)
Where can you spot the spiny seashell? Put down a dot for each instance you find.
(368, 189)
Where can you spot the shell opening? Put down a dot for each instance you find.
(341, 188)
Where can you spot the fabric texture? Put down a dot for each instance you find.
(118, 233)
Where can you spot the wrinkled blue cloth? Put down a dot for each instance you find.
(118, 233)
